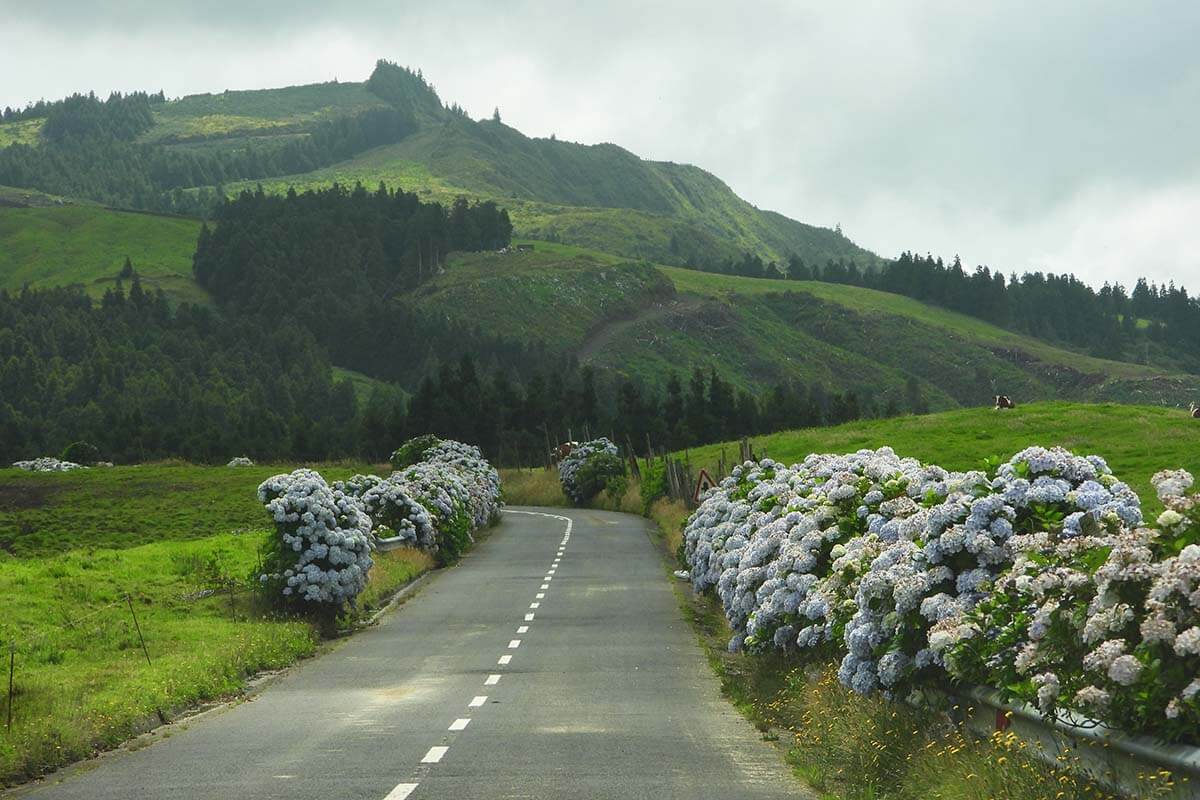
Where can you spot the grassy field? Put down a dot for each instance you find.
(181, 541)
(876, 302)
(629, 318)
(26, 131)
(642, 319)
(596, 195)
(88, 245)
(555, 294)
(365, 385)
(1137, 441)
(257, 111)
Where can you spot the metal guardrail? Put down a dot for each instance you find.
(1111, 757)
(392, 543)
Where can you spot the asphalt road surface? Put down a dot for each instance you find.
(553, 662)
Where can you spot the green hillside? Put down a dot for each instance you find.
(647, 321)
(85, 244)
(600, 196)
(642, 319)
(1137, 441)
(257, 112)
(597, 196)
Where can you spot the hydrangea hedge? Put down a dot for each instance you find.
(325, 534)
(1039, 580)
(587, 469)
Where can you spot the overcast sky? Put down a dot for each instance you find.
(1041, 135)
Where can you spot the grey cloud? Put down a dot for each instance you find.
(1014, 133)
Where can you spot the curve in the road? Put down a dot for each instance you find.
(521, 673)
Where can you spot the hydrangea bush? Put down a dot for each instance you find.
(434, 505)
(396, 514)
(1037, 579)
(586, 470)
(47, 464)
(1105, 624)
(357, 485)
(322, 554)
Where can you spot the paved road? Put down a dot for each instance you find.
(547, 665)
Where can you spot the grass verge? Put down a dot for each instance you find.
(82, 680)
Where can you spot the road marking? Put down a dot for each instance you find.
(540, 514)
(545, 586)
(504, 660)
(535, 605)
(492, 680)
(550, 571)
(547, 579)
(434, 755)
(459, 724)
(529, 617)
(401, 791)
(477, 701)
(523, 629)
(514, 644)
(540, 596)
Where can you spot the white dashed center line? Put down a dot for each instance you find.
(401, 791)
(535, 605)
(477, 701)
(541, 595)
(547, 579)
(434, 755)
(551, 571)
(492, 680)
(504, 660)
(514, 644)
(545, 586)
(523, 629)
(460, 724)
(529, 617)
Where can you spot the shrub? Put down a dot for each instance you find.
(413, 451)
(84, 453)
(396, 514)
(320, 556)
(357, 485)
(585, 472)
(1039, 581)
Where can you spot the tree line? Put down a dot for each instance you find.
(1111, 322)
(335, 258)
(142, 381)
(516, 421)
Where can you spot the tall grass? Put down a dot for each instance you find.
(532, 487)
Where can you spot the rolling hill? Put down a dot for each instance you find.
(600, 196)
(603, 281)
(647, 321)
(641, 319)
